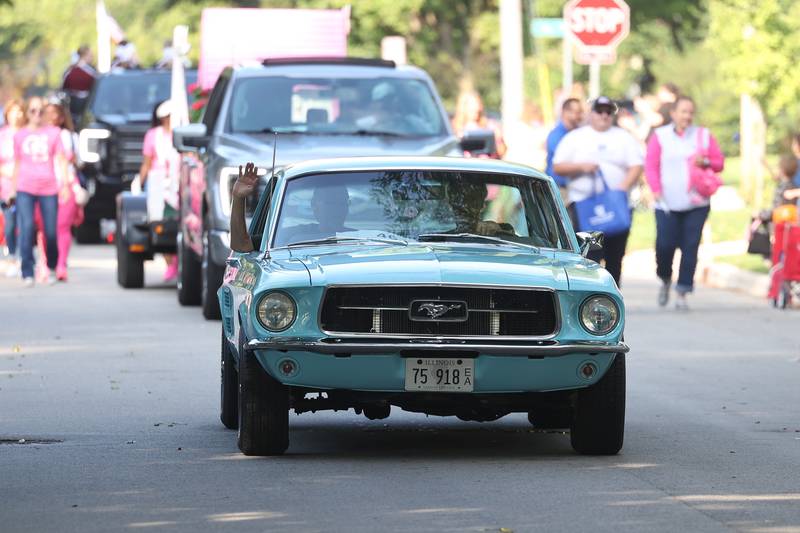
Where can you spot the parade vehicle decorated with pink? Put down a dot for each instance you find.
(447, 286)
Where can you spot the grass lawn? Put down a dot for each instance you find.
(751, 262)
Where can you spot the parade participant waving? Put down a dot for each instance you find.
(38, 151)
(159, 172)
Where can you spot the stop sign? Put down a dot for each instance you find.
(597, 25)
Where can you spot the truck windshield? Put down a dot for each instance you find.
(133, 93)
(443, 206)
(344, 106)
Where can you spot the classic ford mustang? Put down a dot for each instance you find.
(446, 286)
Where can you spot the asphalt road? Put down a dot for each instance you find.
(116, 395)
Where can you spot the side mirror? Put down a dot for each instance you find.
(190, 138)
(479, 142)
(589, 241)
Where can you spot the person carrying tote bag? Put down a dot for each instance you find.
(606, 210)
(602, 163)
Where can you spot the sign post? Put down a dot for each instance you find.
(597, 27)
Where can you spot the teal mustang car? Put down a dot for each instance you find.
(446, 286)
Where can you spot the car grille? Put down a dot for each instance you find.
(384, 310)
(125, 149)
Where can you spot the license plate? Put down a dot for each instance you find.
(440, 375)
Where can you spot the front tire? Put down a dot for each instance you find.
(263, 409)
(598, 423)
(229, 388)
(211, 276)
(130, 266)
(189, 283)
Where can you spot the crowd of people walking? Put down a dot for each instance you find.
(41, 192)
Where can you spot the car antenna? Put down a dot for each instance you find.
(274, 151)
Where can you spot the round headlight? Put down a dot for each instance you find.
(276, 311)
(599, 315)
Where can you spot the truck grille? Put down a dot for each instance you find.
(384, 310)
(125, 149)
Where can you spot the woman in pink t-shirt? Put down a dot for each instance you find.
(159, 171)
(38, 151)
(69, 212)
(14, 114)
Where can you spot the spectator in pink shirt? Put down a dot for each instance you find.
(38, 151)
(680, 211)
(69, 212)
(15, 119)
(159, 170)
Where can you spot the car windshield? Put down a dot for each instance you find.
(403, 206)
(134, 93)
(394, 107)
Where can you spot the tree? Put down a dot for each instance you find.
(756, 45)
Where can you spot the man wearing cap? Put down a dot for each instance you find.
(600, 149)
(571, 118)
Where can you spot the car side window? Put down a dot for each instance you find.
(259, 221)
(215, 102)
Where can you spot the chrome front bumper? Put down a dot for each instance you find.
(332, 345)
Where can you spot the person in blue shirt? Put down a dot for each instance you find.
(571, 118)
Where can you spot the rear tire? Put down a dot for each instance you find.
(263, 409)
(211, 278)
(229, 388)
(130, 266)
(189, 283)
(598, 423)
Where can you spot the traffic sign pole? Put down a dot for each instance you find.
(594, 79)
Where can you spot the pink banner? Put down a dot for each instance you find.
(246, 36)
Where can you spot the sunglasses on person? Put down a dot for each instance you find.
(35, 111)
(604, 111)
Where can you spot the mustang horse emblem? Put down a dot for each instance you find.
(438, 310)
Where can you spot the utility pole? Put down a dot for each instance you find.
(511, 62)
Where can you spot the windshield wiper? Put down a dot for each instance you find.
(474, 236)
(335, 240)
(377, 133)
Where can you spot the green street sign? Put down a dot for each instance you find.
(547, 28)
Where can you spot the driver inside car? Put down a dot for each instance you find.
(330, 205)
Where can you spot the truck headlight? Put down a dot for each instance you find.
(599, 314)
(227, 177)
(276, 311)
(88, 143)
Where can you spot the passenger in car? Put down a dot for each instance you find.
(245, 184)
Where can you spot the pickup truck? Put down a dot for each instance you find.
(310, 108)
(111, 133)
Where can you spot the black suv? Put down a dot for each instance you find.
(316, 108)
(111, 133)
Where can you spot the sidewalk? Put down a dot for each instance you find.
(641, 264)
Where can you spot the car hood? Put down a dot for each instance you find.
(296, 147)
(431, 264)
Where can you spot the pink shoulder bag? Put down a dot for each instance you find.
(703, 180)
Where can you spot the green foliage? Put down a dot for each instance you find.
(756, 44)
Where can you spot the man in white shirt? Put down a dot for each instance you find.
(600, 149)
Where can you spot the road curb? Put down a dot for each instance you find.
(725, 276)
